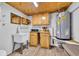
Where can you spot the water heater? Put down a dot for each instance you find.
(63, 26)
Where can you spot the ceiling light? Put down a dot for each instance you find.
(43, 17)
(35, 3)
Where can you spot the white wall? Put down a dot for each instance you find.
(75, 25)
(8, 29)
(73, 6)
(52, 26)
(75, 20)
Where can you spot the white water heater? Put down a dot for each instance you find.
(63, 25)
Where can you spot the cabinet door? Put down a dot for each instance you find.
(45, 41)
(15, 20)
(36, 20)
(46, 20)
(33, 41)
(24, 21)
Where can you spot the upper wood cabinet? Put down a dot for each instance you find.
(45, 19)
(15, 20)
(40, 19)
(36, 20)
(25, 21)
(19, 20)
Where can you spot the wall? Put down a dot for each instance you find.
(75, 20)
(52, 26)
(73, 6)
(75, 25)
(8, 29)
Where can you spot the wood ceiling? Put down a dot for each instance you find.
(29, 8)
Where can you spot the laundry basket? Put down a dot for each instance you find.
(3, 53)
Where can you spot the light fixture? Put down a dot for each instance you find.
(43, 17)
(35, 3)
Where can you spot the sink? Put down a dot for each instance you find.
(20, 37)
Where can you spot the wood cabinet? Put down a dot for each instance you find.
(15, 20)
(33, 38)
(25, 21)
(38, 19)
(19, 20)
(46, 20)
(45, 39)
